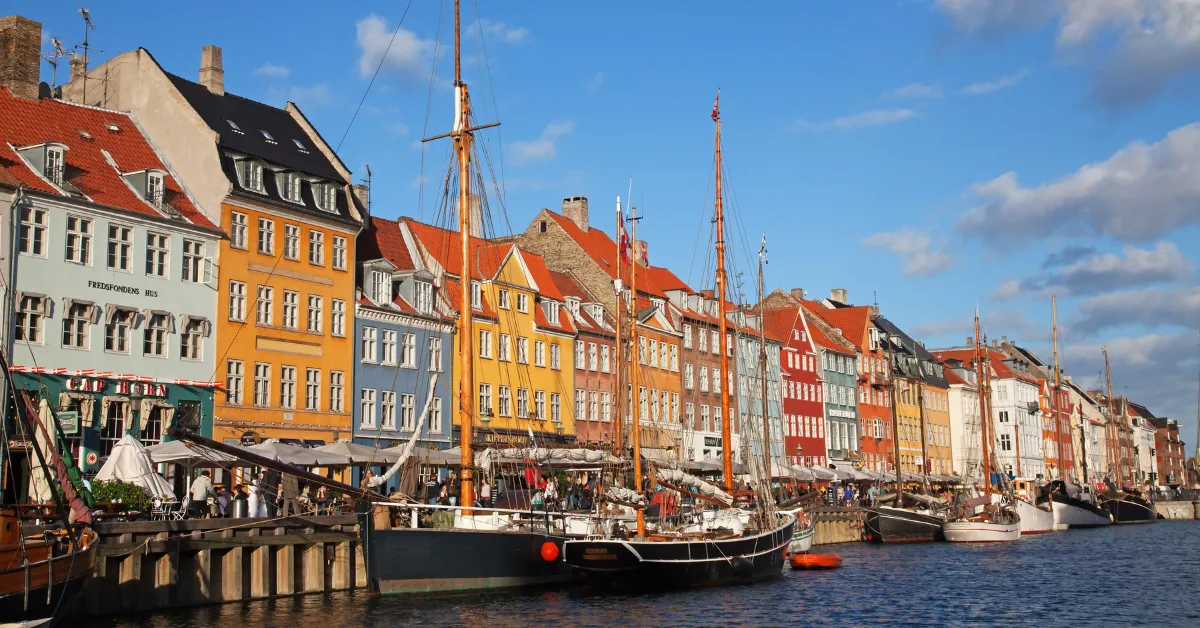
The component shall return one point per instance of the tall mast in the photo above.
(620, 347)
(636, 356)
(924, 439)
(723, 347)
(1114, 444)
(1062, 455)
(463, 138)
(895, 419)
(762, 364)
(984, 410)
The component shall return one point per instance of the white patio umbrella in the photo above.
(361, 454)
(180, 452)
(298, 456)
(129, 462)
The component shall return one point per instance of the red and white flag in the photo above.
(622, 235)
(716, 114)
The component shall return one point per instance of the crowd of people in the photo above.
(266, 494)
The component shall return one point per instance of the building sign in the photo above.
(87, 384)
(112, 287)
(712, 441)
(68, 420)
(82, 384)
(249, 439)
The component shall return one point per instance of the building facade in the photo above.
(1169, 453)
(803, 410)
(965, 427)
(756, 350)
(595, 355)
(110, 288)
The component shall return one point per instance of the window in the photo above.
(287, 387)
(291, 242)
(76, 326)
(367, 407)
(435, 415)
(237, 230)
(505, 401)
(476, 296)
(687, 336)
(653, 352)
(314, 313)
(264, 307)
(424, 292)
(687, 376)
(716, 412)
(389, 346)
(522, 350)
(704, 424)
(53, 168)
(539, 353)
(674, 417)
(539, 405)
(605, 407)
(120, 242)
(339, 253)
(689, 416)
(1005, 442)
(485, 344)
(704, 379)
(1004, 417)
(337, 318)
(703, 338)
(663, 356)
(716, 381)
(580, 402)
(316, 248)
(266, 236)
(593, 406)
(580, 355)
(252, 175)
(117, 331)
(555, 358)
(504, 352)
(33, 231)
(605, 365)
(642, 404)
(312, 389)
(192, 341)
(291, 309)
(233, 381)
(593, 357)
(154, 188)
(408, 351)
(154, 343)
(79, 239)
(289, 187)
(387, 409)
(522, 302)
(522, 402)
(337, 383)
(326, 194)
(237, 301)
(193, 261)
(262, 384)
(485, 400)
(30, 315)
(369, 337)
(408, 412)
(435, 354)
(716, 342)
(552, 312)
(556, 407)
(675, 358)
(502, 299)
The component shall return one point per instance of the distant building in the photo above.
(1169, 453)
(1055, 410)
(800, 363)
(966, 436)
(922, 410)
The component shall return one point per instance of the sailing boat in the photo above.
(997, 521)
(41, 572)
(1123, 505)
(704, 552)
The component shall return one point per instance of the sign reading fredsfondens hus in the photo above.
(112, 287)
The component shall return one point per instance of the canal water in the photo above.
(1122, 575)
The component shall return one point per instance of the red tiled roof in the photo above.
(541, 276)
(667, 280)
(383, 240)
(569, 287)
(852, 321)
(444, 247)
(31, 122)
(452, 293)
(820, 338)
(780, 322)
(995, 358)
(603, 250)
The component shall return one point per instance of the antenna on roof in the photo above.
(87, 26)
(367, 181)
(52, 58)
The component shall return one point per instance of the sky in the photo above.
(931, 155)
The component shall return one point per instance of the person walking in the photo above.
(200, 491)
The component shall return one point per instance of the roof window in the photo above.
(289, 186)
(84, 134)
(154, 188)
(267, 136)
(250, 173)
(299, 145)
(233, 125)
(326, 194)
(54, 165)
(112, 126)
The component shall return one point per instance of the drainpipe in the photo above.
(10, 287)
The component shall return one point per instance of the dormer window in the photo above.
(659, 304)
(326, 194)
(289, 186)
(55, 164)
(251, 173)
(573, 306)
(476, 296)
(154, 188)
(381, 287)
(597, 312)
(424, 291)
(552, 312)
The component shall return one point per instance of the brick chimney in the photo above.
(970, 341)
(797, 293)
(840, 295)
(212, 75)
(574, 208)
(363, 194)
(476, 209)
(20, 55)
(78, 67)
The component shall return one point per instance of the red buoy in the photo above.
(549, 551)
(815, 561)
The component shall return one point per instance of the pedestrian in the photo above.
(223, 498)
(200, 491)
(485, 492)
(873, 495)
(431, 490)
(454, 489)
(321, 499)
(848, 496)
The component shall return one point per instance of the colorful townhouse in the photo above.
(595, 356)
(524, 354)
(1088, 433)
(965, 426)
(1169, 453)
(1055, 411)
(285, 281)
(758, 367)
(655, 387)
(403, 357)
(922, 404)
(1143, 449)
(842, 445)
(109, 290)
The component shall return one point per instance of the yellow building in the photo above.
(524, 354)
(910, 395)
(658, 380)
(937, 428)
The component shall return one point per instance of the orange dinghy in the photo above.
(815, 561)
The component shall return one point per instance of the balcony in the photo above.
(880, 378)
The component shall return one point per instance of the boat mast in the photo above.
(983, 410)
(769, 498)
(723, 347)
(1114, 444)
(895, 420)
(1062, 469)
(620, 311)
(924, 439)
(463, 138)
(636, 351)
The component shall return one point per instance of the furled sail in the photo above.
(681, 479)
(412, 440)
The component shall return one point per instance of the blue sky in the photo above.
(937, 153)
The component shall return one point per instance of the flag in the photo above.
(623, 242)
(716, 114)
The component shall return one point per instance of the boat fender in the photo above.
(549, 551)
(742, 567)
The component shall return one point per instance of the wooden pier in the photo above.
(150, 565)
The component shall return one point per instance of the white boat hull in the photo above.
(802, 540)
(980, 532)
(1034, 520)
(1070, 516)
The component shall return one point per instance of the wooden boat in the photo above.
(802, 538)
(1034, 519)
(815, 561)
(981, 529)
(1074, 510)
(1127, 507)
(41, 573)
(887, 524)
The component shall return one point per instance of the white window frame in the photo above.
(291, 309)
(366, 410)
(234, 378)
(266, 236)
(337, 318)
(369, 340)
(237, 301)
(120, 247)
(262, 384)
(312, 389)
(291, 242)
(264, 307)
(193, 261)
(79, 240)
(287, 387)
(316, 307)
(339, 253)
(387, 410)
(237, 230)
(337, 391)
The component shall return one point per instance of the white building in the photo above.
(964, 419)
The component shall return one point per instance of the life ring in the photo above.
(91, 458)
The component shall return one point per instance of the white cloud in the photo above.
(988, 87)
(545, 146)
(311, 96)
(398, 128)
(1150, 307)
(1142, 45)
(499, 31)
(914, 91)
(1141, 192)
(273, 71)
(876, 117)
(915, 250)
(1012, 323)
(1103, 272)
(1008, 290)
(409, 54)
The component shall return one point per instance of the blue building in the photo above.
(404, 348)
(751, 381)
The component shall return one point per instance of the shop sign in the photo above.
(145, 390)
(712, 441)
(68, 420)
(249, 439)
(83, 384)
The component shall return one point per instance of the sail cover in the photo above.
(681, 479)
(544, 457)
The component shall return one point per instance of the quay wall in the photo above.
(837, 525)
(149, 565)
(1178, 510)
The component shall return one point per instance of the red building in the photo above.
(1169, 456)
(595, 374)
(803, 410)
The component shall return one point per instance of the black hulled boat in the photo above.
(886, 524)
(1128, 507)
(1073, 507)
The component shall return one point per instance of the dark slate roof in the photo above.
(270, 194)
(252, 118)
(908, 346)
(1142, 411)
